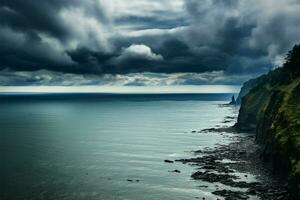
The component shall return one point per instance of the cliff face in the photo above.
(255, 96)
(247, 86)
(271, 108)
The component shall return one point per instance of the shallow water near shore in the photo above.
(107, 149)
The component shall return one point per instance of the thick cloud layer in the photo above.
(231, 37)
(50, 78)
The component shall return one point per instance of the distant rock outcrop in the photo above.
(233, 101)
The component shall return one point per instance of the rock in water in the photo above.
(233, 102)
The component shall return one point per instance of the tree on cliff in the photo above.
(293, 59)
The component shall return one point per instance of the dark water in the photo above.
(88, 97)
(87, 146)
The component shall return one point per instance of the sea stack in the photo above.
(233, 101)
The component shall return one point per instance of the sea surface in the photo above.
(110, 147)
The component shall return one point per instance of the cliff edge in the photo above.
(271, 108)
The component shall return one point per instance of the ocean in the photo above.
(106, 146)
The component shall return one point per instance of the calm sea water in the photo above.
(87, 146)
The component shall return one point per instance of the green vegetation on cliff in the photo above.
(272, 109)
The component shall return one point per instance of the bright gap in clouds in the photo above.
(123, 89)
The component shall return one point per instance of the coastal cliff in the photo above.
(271, 108)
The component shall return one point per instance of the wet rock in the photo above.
(217, 165)
(169, 161)
(219, 130)
(251, 192)
(231, 195)
(227, 121)
(209, 167)
(230, 117)
(212, 177)
(281, 198)
(175, 171)
(131, 180)
(198, 151)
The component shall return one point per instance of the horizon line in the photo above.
(178, 89)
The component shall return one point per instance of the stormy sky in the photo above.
(143, 42)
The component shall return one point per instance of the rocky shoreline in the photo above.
(228, 166)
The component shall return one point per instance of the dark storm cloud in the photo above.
(21, 24)
(89, 60)
(36, 35)
(137, 36)
(253, 34)
(31, 15)
(221, 30)
(28, 52)
(148, 22)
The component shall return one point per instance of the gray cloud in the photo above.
(51, 78)
(233, 37)
(254, 34)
